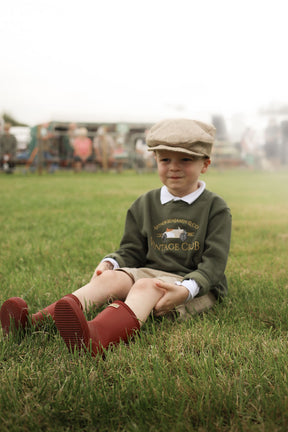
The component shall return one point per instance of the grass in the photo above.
(223, 371)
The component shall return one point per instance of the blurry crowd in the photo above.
(75, 148)
(80, 150)
(267, 150)
(102, 149)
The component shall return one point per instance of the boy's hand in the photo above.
(175, 295)
(103, 266)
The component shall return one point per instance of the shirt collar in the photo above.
(166, 196)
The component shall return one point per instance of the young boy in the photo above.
(172, 255)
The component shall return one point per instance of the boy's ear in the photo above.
(206, 164)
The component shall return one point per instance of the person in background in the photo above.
(8, 148)
(82, 149)
(42, 153)
(143, 157)
(104, 147)
(46, 152)
(67, 145)
(172, 256)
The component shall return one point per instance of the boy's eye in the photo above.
(187, 159)
(164, 160)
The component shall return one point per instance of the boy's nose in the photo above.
(174, 165)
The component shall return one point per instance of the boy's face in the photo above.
(180, 172)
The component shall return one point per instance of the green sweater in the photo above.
(190, 240)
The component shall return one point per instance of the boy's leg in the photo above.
(117, 322)
(109, 285)
(142, 298)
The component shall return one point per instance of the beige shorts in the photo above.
(194, 306)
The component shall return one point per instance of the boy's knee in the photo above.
(145, 284)
(115, 277)
(107, 274)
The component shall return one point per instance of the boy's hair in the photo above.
(183, 135)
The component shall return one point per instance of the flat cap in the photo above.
(183, 135)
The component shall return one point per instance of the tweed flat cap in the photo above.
(183, 135)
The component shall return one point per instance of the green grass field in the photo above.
(223, 371)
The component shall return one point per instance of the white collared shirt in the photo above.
(166, 196)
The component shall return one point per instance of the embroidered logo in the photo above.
(175, 235)
(178, 233)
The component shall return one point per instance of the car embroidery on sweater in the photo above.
(178, 233)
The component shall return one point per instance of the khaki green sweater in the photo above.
(191, 240)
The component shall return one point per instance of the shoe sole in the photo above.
(71, 324)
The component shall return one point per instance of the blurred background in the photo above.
(99, 73)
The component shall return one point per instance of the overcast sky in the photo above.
(140, 59)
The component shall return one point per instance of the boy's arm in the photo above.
(132, 251)
(133, 247)
(210, 270)
(103, 266)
